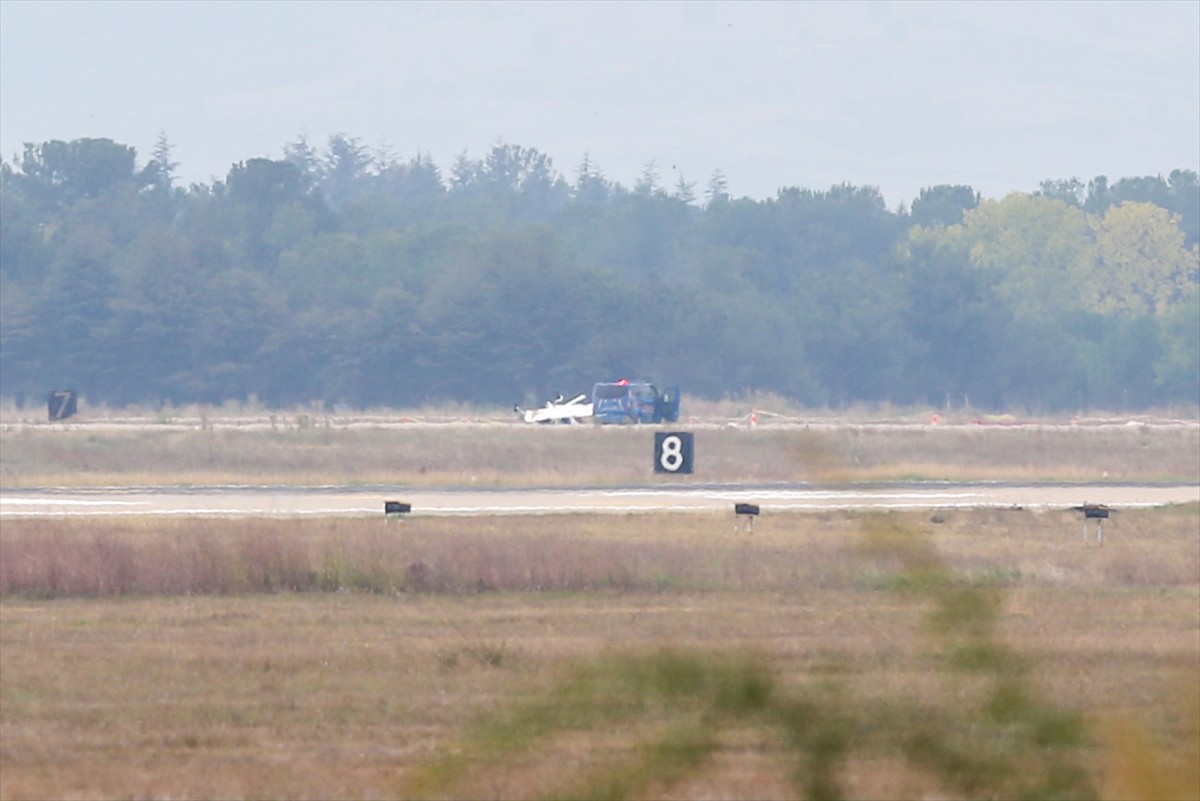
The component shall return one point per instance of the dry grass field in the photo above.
(982, 654)
(333, 451)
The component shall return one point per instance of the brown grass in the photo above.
(56, 558)
(508, 455)
(272, 659)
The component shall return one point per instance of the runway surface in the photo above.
(264, 501)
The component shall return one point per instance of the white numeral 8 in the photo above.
(672, 453)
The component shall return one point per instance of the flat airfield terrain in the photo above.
(481, 452)
(770, 498)
(962, 648)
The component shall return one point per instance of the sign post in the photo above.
(1094, 511)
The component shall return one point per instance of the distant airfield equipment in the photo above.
(61, 404)
(628, 401)
(1094, 511)
(622, 401)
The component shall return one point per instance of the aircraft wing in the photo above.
(570, 411)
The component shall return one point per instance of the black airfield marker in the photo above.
(748, 511)
(673, 451)
(1094, 511)
(61, 404)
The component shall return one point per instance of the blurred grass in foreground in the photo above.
(990, 733)
(986, 655)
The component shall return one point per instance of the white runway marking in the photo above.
(357, 502)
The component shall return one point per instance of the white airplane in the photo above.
(559, 410)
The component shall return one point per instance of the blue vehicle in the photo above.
(628, 401)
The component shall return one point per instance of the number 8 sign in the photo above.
(673, 452)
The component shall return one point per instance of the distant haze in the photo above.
(904, 95)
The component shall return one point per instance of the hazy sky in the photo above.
(899, 95)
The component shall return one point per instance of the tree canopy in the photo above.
(344, 275)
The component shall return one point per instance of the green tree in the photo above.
(20, 362)
(275, 208)
(1034, 254)
(718, 189)
(1071, 191)
(345, 170)
(160, 171)
(263, 185)
(156, 309)
(1179, 194)
(420, 176)
(957, 326)
(590, 188)
(305, 158)
(26, 246)
(854, 334)
(1177, 371)
(505, 322)
(1185, 201)
(685, 190)
(1033, 251)
(943, 205)
(236, 316)
(72, 314)
(649, 182)
(1142, 265)
(56, 174)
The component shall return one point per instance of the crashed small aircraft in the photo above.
(558, 411)
(621, 401)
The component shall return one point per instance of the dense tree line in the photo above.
(346, 275)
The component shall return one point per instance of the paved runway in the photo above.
(343, 501)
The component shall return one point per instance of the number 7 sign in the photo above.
(673, 452)
(61, 404)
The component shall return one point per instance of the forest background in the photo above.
(345, 275)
